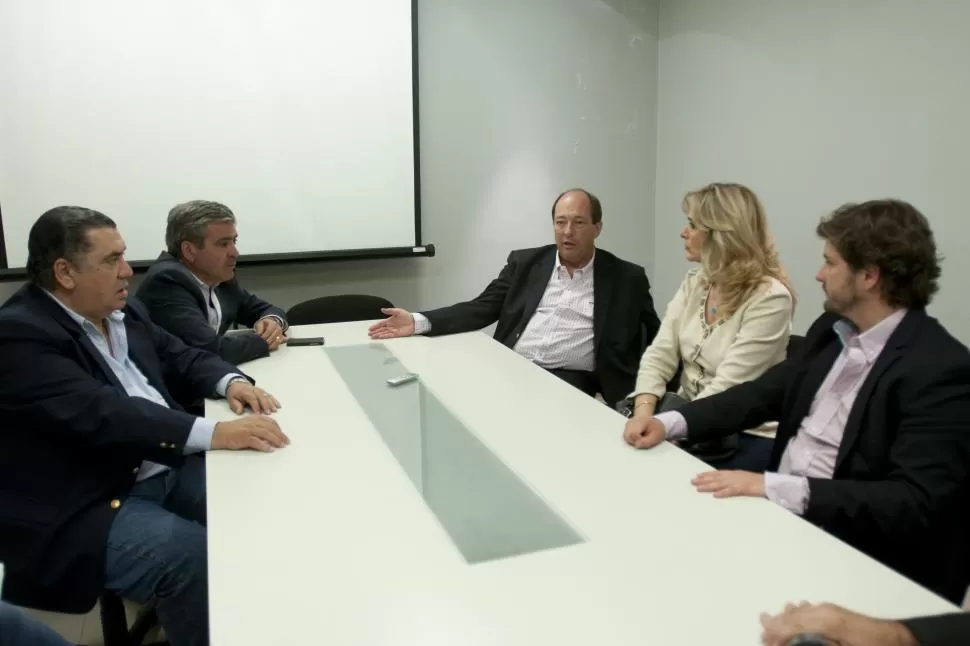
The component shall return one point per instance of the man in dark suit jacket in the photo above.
(580, 312)
(873, 441)
(101, 473)
(829, 623)
(191, 289)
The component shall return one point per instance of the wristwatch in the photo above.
(808, 640)
(625, 407)
(234, 380)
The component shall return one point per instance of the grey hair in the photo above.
(188, 221)
(61, 232)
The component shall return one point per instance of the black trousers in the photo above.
(581, 379)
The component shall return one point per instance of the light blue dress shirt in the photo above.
(114, 350)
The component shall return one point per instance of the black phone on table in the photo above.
(307, 340)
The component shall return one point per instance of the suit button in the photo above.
(163, 445)
(115, 504)
(135, 471)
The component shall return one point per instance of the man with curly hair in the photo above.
(873, 441)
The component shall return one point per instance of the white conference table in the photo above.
(406, 516)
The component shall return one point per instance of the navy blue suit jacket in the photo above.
(73, 440)
(941, 630)
(175, 301)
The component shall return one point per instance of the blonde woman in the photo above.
(728, 323)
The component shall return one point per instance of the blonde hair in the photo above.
(738, 253)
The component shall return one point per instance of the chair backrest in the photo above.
(337, 309)
(795, 343)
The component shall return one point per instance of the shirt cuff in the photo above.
(791, 492)
(675, 426)
(421, 323)
(200, 437)
(223, 384)
(283, 324)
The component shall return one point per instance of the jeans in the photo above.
(754, 453)
(17, 629)
(157, 551)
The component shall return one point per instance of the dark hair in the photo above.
(61, 232)
(893, 236)
(189, 220)
(595, 208)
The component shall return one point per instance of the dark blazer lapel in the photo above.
(140, 349)
(604, 280)
(815, 372)
(536, 283)
(889, 355)
(228, 309)
(143, 354)
(57, 313)
(188, 278)
(809, 377)
(231, 300)
(198, 292)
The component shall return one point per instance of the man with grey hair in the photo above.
(102, 477)
(191, 289)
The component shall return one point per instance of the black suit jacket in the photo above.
(624, 320)
(942, 630)
(900, 490)
(175, 301)
(73, 441)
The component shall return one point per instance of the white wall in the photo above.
(521, 100)
(518, 100)
(810, 103)
(813, 104)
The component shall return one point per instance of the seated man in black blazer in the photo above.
(580, 312)
(873, 441)
(837, 625)
(191, 289)
(102, 479)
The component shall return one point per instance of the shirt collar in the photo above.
(873, 340)
(205, 287)
(580, 270)
(117, 316)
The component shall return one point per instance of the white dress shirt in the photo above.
(560, 332)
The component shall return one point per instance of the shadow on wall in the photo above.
(642, 13)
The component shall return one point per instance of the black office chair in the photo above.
(114, 623)
(337, 309)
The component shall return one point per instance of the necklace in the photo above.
(710, 296)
